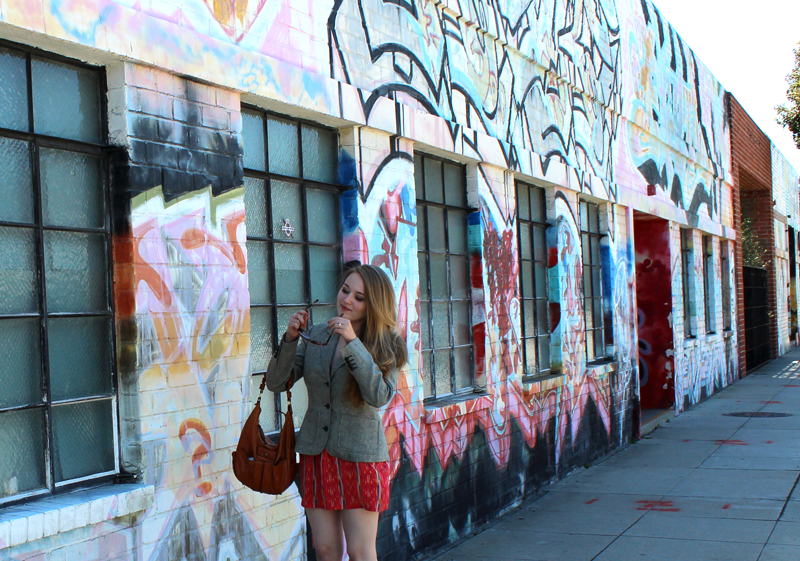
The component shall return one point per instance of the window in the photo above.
(446, 328)
(726, 286)
(293, 234)
(533, 279)
(687, 265)
(708, 284)
(58, 400)
(592, 281)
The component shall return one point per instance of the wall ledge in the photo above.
(63, 513)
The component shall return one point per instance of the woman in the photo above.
(350, 367)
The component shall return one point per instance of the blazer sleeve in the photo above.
(286, 362)
(376, 389)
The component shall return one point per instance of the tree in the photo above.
(789, 115)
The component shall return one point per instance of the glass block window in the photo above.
(58, 423)
(444, 281)
(293, 235)
(726, 285)
(534, 317)
(708, 284)
(592, 280)
(687, 266)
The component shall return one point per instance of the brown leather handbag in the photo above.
(258, 462)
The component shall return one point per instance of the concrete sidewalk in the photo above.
(703, 487)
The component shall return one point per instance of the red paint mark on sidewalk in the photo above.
(592, 501)
(661, 506)
(770, 402)
(769, 442)
(726, 507)
(792, 386)
(731, 442)
(688, 440)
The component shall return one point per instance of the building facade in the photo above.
(548, 186)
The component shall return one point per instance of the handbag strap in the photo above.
(264, 385)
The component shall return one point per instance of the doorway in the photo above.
(654, 303)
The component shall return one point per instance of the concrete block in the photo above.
(51, 522)
(18, 531)
(35, 527)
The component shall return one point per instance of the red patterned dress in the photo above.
(330, 483)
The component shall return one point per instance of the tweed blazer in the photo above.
(332, 422)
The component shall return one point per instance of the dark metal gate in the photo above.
(756, 317)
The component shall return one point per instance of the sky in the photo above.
(747, 46)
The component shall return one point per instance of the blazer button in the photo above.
(325, 428)
(327, 406)
(327, 384)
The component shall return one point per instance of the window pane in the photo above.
(526, 267)
(531, 367)
(599, 345)
(15, 186)
(258, 265)
(253, 140)
(323, 216)
(463, 368)
(540, 272)
(525, 241)
(587, 282)
(584, 217)
(441, 325)
(80, 361)
(586, 249)
(423, 275)
(284, 156)
(539, 244)
(17, 271)
(541, 317)
(72, 189)
(590, 354)
(422, 240)
(83, 439)
(283, 319)
(321, 314)
(436, 238)
(13, 91)
(418, 179)
(319, 154)
(427, 374)
(324, 264)
(439, 289)
(442, 364)
(455, 192)
(595, 242)
(286, 206)
(528, 318)
(20, 369)
(425, 325)
(267, 418)
(523, 202)
(457, 231)
(22, 436)
(75, 271)
(433, 181)
(255, 207)
(459, 276)
(544, 353)
(461, 325)
(537, 205)
(588, 310)
(596, 283)
(597, 305)
(260, 338)
(594, 225)
(290, 284)
(66, 101)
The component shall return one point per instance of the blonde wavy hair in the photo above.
(379, 336)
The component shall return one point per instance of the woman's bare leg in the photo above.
(361, 534)
(326, 527)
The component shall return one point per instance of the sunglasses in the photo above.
(306, 337)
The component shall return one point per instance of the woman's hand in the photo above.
(297, 322)
(343, 327)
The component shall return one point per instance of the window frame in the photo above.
(727, 319)
(586, 233)
(303, 184)
(100, 150)
(708, 285)
(526, 220)
(426, 297)
(687, 268)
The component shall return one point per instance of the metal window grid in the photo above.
(708, 284)
(592, 282)
(37, 142)
(687, 263)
